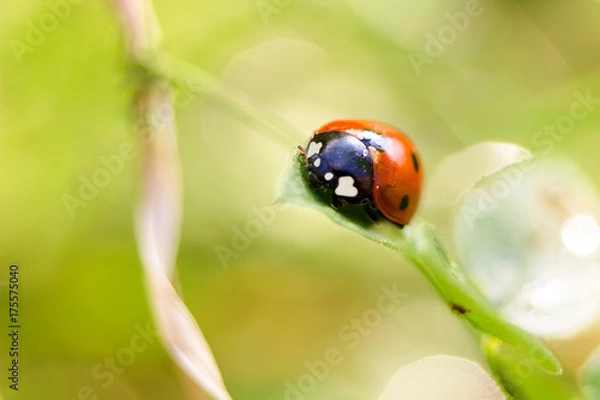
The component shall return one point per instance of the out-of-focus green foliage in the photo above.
(290, 295)
(591, 376)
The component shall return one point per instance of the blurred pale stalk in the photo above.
(158, 217)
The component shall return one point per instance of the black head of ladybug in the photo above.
(340, 164)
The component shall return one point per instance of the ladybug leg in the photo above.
(314, 181)
(336, 202)
(373, 212)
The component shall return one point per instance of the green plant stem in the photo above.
(238, 104)
(426, 250)
(521, 361)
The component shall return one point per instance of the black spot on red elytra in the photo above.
(404, 203)
(415, 162)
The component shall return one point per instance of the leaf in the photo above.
(442, 377)
(296, 190)
(521, 377)
(422, 244)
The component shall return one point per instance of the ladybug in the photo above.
(366, 163)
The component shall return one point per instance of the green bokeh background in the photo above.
(283, 301)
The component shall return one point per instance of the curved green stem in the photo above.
(237, 103)
(427, 251)
(526, 367)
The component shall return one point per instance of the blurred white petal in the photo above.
(581, 235)
(528, 237)
(442, 377)
(158, 225)
(458, 173)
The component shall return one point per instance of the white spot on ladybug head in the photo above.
(345, 187)
(328, 176)
(317, 162)
(313, 148)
